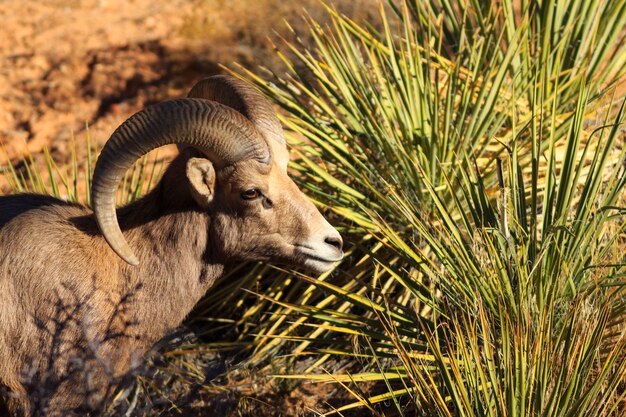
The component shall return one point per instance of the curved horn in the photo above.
(248, 101)
(224, 135)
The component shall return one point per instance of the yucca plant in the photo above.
(521, 326)
(461, 148)
(364, 106)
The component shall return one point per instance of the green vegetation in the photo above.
(477, 167)
(473, 155)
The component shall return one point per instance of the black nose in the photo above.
(335, 242)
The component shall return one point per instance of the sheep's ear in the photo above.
(202, 180)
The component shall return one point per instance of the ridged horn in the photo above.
(224, 135)
(248, 101)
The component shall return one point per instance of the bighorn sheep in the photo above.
(226, 198)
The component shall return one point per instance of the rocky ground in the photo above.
(69, 68)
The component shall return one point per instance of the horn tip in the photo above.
(131, 259)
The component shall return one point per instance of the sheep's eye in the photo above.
(251, 194)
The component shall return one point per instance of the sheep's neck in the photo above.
(170, 237)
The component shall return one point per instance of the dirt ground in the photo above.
(71, 65)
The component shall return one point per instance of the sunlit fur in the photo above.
(53, 255)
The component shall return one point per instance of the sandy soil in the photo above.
(69, 64)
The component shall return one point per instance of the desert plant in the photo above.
(480, 173)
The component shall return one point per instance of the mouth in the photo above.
(313, 255)
(316, 262)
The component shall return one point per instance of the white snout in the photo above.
(322, 250)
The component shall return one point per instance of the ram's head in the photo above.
(238, 176)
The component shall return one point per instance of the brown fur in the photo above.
(64, 292)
